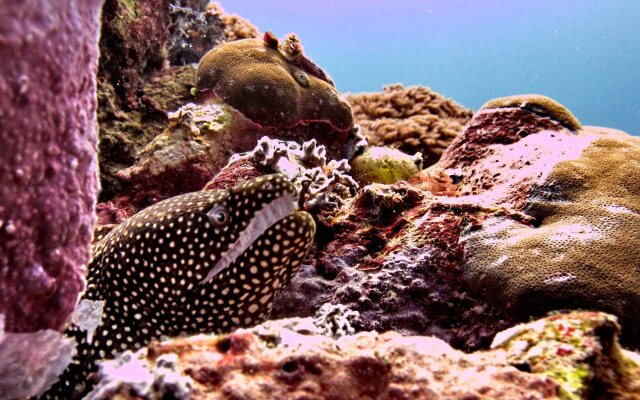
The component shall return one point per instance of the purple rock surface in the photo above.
(48, 169)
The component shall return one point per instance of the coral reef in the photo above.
(147, 156)
(142, 38)
(123, 134)
(392, 255)
(260, 79)
(579, 350)
(290, 359)
(181, 159)
(385, 165)
(235, 27)
(142, 75)
(452, 244)
(537, 104)
(412, 119)
(197, 144)
(48, 181)
(522, 213)
(132, 45)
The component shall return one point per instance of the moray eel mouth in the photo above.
(269, 212)
(202, 262)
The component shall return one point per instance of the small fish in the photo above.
(208, 261)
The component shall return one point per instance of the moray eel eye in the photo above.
(218, 215)
(301, 77)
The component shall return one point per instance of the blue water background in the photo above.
(583, 53)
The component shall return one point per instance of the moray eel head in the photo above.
(208, 261)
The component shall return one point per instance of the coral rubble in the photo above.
(521, 213)
(290, 359)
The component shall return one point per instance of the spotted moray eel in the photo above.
(208, 261)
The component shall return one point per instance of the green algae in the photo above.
(384, 165)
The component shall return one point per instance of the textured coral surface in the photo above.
(524, 212)
(48, 182)
(290, 359)
(584, 251)
(48, 171)
(413, 119)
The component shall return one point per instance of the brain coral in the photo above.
(585, 252)
(411, 119)
(272, 84)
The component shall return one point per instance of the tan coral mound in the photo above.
(566, 356)
(585, 253)
(411, 119)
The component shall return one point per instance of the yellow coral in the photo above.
(384, 165)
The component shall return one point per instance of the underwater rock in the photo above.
(504, 151)
(413, 119)
(385, 165)
(292, 359)
(579, 350)
(132, 141)
(275, 86)
(124, 133)
(183, 158)
(48, 181)
(141, 38)
(235, 27)
(142, 77)
(48, 173)
(392, 255)
(133, 44)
